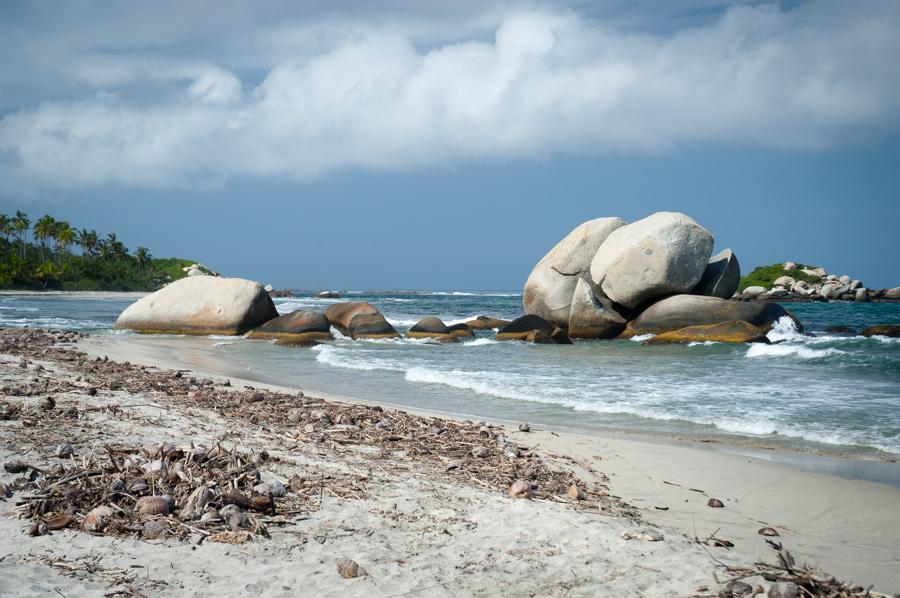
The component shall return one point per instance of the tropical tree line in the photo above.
(51, 254)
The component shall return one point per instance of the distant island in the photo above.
(52, 255)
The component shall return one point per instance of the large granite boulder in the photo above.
(681, 311)
(721, 277)
(533, 329)
(359, 319)
(891, 330)
(662, 254)
(592, 316)
(548, 290)
(296, 328)
(200, 305)
(486, 323)
(892, 293)
(724, 332)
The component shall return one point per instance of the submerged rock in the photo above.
(548, 290)
(296, 328)
(486, 323)
(533, 329)
(721, 277)
(201, 305)
(682, 311)
(432, 327)
(890, 330)
(359, 319)
(724, 332)
(665, 253)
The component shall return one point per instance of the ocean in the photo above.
(828, 393)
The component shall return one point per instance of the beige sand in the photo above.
(420, 536)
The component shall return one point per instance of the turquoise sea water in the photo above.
(836, 393)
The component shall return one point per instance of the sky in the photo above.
(435, 145)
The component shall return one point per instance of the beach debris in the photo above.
(5, 491)
(715, 503)
(576, 493)
(153, 529)
(714, 540)
(16, 466)
(524, 427)
(736, 589)
(519, 489)
(48, 403)
(480, 452)
(58, 522)
(155, 505)
(64, 450)
(784, 589)
(97, 519)
(38, 528)
(230, 537)
(768, 531)
(348, 568)
(647, 535)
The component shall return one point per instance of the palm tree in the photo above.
(65, 237)
(20, 226)
(87, 240)
(43, 232)
(5, 228)
(116, 247)
(45, 272)
(143, 257)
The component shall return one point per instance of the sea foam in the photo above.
(760, 350)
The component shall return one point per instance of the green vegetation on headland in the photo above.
(59, 257)
(764, 276)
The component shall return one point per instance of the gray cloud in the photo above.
(151, 103)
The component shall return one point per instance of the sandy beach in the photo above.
(418, 513)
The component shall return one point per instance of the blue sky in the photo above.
(419, 146)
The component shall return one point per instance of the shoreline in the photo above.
(846, 525)
(867, 464)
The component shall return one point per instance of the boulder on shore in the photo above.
(664, 253)
(890, 330)
(753, 292)
(681, 311)
(200, 305)
(359, 319)
(892, 293)
(533, 329)
(724, 332)
(721, 277)
(328, 295)
(432, 327)
(486, 323)
(592, 316)
(548, 290)
(296, 328)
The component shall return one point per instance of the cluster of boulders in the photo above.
(816, 284)
(609, 279)
(605, 279)
(205, 305)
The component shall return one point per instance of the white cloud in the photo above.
(818, 77)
